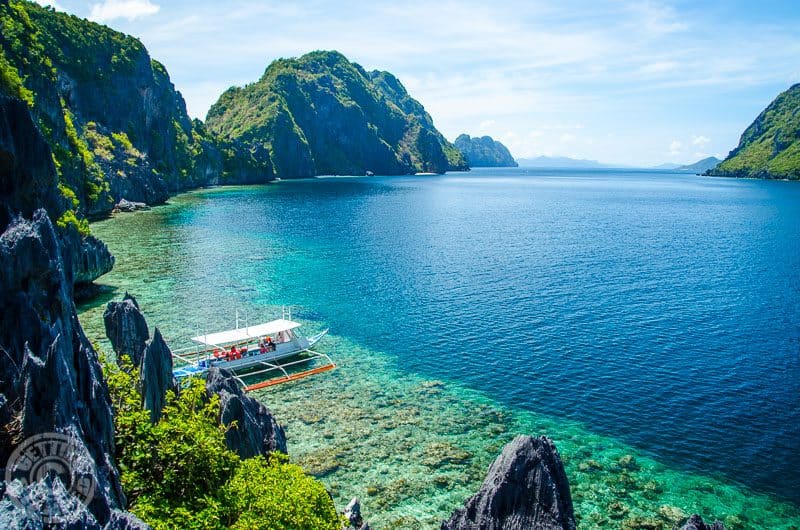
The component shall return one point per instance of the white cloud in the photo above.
(656, 19)
(128, 9)
(701, 141)
(659, 67)
(675, 147)
(486, 124)
(566, 138)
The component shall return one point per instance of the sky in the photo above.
(624, 82)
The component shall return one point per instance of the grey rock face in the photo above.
(124, 521)
(44, 504)
(50, 377)
(124, 205)
(28, 181)
(27, 175)
(526, 488)
(353, 515)
(48, 504)
(256, 431)
(90, 257)
(695, 522)
(126, 328)
(156, 375)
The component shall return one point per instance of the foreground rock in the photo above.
(255, 431)
(50, 377)
(695, 522)
(126, 328)
(526, 488)
(155, 375)
(352, 513)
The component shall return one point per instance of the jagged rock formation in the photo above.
(126, 328)
(770, 147)
(24, 188)
(352, 513)
(256, 432)
(48, 504)
(484, 151)
(116, 125)
(321, 114)
(695, 522)
(50, 377)
(526, 488)
(155, 375)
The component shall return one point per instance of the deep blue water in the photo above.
(660, 309)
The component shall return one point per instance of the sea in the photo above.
(647, 321)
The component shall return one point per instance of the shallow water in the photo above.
(625, 314)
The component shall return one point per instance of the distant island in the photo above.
(561, 162)
(701, 166)
(770, 147)
(321, 114)
(484, 151)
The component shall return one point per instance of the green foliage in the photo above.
(11, 83)
(321, 114)
(102, 146)
(178, 473)
(272, 493)
(69, 218)
(770, 146)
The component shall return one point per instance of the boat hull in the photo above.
(253, 361)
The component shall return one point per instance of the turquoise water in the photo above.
(648, 322)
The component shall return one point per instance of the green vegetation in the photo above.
(178, 473)
(770, 146)
(322, 114)
(69, 218)
(83, 82)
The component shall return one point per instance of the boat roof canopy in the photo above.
(243, 334)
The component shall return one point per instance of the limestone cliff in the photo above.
(112, 117)
(50, 378)
(322, 114)
(484, 151)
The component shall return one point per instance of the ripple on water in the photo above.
(588, 332)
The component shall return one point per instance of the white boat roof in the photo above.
(243, 334)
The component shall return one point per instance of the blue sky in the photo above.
(635, 83)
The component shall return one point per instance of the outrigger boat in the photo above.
(255, 350)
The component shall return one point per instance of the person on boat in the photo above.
(269, 344)
(217, 353)
(242, 352)
(262, 345)
(233, 353)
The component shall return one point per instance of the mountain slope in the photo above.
(701, 165)
(770, 146)
(114, 121)
(321, 114)
(484, 152)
